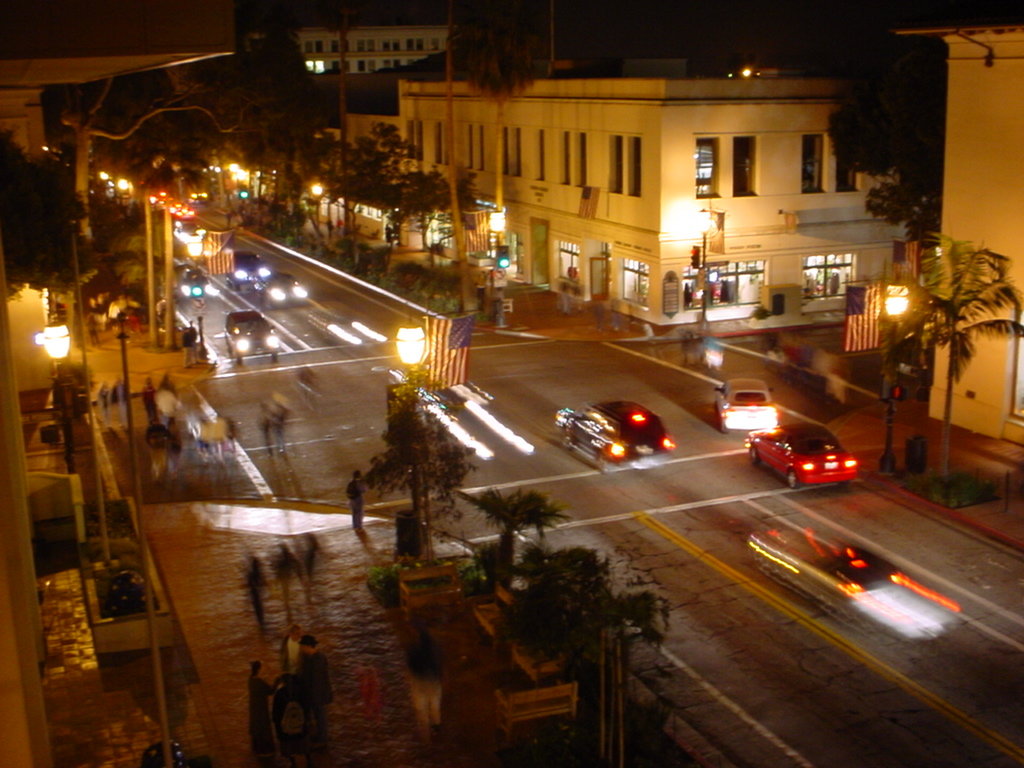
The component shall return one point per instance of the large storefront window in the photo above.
(827, 275)
(729, 283)
(569, 260)
(636, 281)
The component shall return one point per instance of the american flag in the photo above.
(588, 202)
(863, 305)
(478, 235)
(218, 248)
(906, 258)
(448, 349)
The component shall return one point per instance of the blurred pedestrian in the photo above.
(157, 438)
(316, 688)
(149, 400)
(174, 448)
(261, 734)
(291, 653)
(255, 582)
(599, 307)
(310, 548)
(306, 383)
(290, 721)
(189, 340)
(714, 355)
(166, 383)
(166, 405)
(286, 567)
(92, 324)
(103, 396)
(423, 659)
(277, 415)
(120, 395)
(355, 490)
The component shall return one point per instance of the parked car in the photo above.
(249, 332)
(616, 432)
(745, 404)
(848, 579)
(281, 288)
(803, 454)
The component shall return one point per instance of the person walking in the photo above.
(290, 720)
(261, 733)
(166, 405)
(423, 659)
(355, 490)
(291, 653)
(149, 400)
(315, 681)
(189, 340)
(254, 582)
(157, 438)
(103, 396)
(277, 414)
(120, 395)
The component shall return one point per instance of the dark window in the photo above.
(742, 166)
(705, 159)
(635, 175)
(566, 157)
(582, 170)
(615, 162)
(810, 162)
(540, 155)
(846, 177)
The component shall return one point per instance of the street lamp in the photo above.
(56, 340)
(897, 300)
(412, 345)
(710, 228)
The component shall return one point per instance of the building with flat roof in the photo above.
(370, 49)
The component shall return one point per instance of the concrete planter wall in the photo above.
(124, 633)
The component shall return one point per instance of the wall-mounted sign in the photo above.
(670, 294)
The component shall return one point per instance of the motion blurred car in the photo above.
(803, 454)
(248, 272)
(745, 404)
(843, 576)
(195, 284)
(616, 432)
(281, 288)
(249, 333)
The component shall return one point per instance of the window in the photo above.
(540, 155)
(810, 162)
(334, 46)
(742, 166)
(470, 145)
(635, 176)
(360, 45)
(568, 260)
(581, 170)
(439, 156)
(734, 282)
(615, 165)
(318, 66)
(511, 151)
(360, 66)
(636, 281)
(385, 45)
(419, 44)
(318, 46)
(414, 135)
(705, 157)
(310, 66)
(308, 46)
(846, 177)
(481, 154)
(566, 157)
(409, 44)
(435, 44)
(827, 275)
(372, 65)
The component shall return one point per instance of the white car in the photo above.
(745, 404)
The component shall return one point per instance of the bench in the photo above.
(490, 611)
(429, 586)
(518, 706)
(536, 667)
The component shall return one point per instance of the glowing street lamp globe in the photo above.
(412, 344)
(56, 340)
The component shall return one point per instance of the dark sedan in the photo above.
(616, 432)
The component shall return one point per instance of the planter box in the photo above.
(125, 633)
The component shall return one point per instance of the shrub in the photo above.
(959, 489)
(382, 582)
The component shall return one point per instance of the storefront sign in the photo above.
(670, 294)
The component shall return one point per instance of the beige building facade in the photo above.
(615, 187)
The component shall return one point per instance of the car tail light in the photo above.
(637, 418)
(618, 450)
(667, 444)
(850, 463)
(807, 466)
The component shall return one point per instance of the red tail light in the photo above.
(637, 418)
(667, 444)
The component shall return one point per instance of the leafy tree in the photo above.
(513, 514)
(420, 457)
(961, 295)
(38, 213)
(894, 130)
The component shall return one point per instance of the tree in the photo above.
(420, 457)
(960, 297)
(38, 215)
(894, 130)
(512, 515)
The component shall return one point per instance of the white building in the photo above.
(370, 48)
(982, 198)
(610, 185)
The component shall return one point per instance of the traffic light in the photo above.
(503, 260)
(893, 391)
(695, 259)
(243, 193)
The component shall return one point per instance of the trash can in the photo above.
(407, 534)
(917, 454)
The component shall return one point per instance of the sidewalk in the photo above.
(201, 549)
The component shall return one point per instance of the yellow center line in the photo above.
(926, 696)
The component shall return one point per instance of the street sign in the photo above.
(507, 306)
(498, 278)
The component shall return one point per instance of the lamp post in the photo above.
(710, 227)
(897, 299)
(411, 343)
(56, 340)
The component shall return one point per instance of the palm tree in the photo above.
(497, 46)
(513, 514)
(959, 299)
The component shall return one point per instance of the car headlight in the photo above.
(263, 272)
(244, 345)
(273, 342)
(212, 290)
(277, 294)
(241, 274)
(300, 292)
(186, 290)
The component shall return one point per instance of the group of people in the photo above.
(290, 715)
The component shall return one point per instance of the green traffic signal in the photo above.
(504, 260)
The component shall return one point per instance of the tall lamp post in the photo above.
(897, 299)
(56, 340)
(412, 346)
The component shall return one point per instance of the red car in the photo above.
(802, 453)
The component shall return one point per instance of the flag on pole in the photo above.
(448, 349)
(588, 202)
(863, 305)
(478, 235)
(218, 248)
(906, 258)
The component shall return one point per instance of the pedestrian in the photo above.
(92, 323)
(261, 734)
(316, 689)
(277, 415)
(291, 654)
(120, 396)
(166, 405)
(174, 448)
(290, 721)
(286, 567)
(255, 582)
(265, 425)
(149, 400)
(563, 297)
(713, 353)
(306, 382)
(157, 438)
(600, 309)
(103, 395)
(355, 490)
(134, 321)
(310, 548)
(423, 659)
(189, 340)
(166, 383)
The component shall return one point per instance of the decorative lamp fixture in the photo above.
(56, 340)
(412, 345)
(496, 221)
(317, 190)
(194, 248)
(897, 299)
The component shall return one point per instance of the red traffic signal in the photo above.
(695, 257)
(892, 391)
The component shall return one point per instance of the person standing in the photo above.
(355, 490)
(315, 681)
(290, 720)
(261, 734)
(424, 662)
(291, 653)
(189, 339)
(149, 400)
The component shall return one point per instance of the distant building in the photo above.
(370, 49)
(614, 188)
